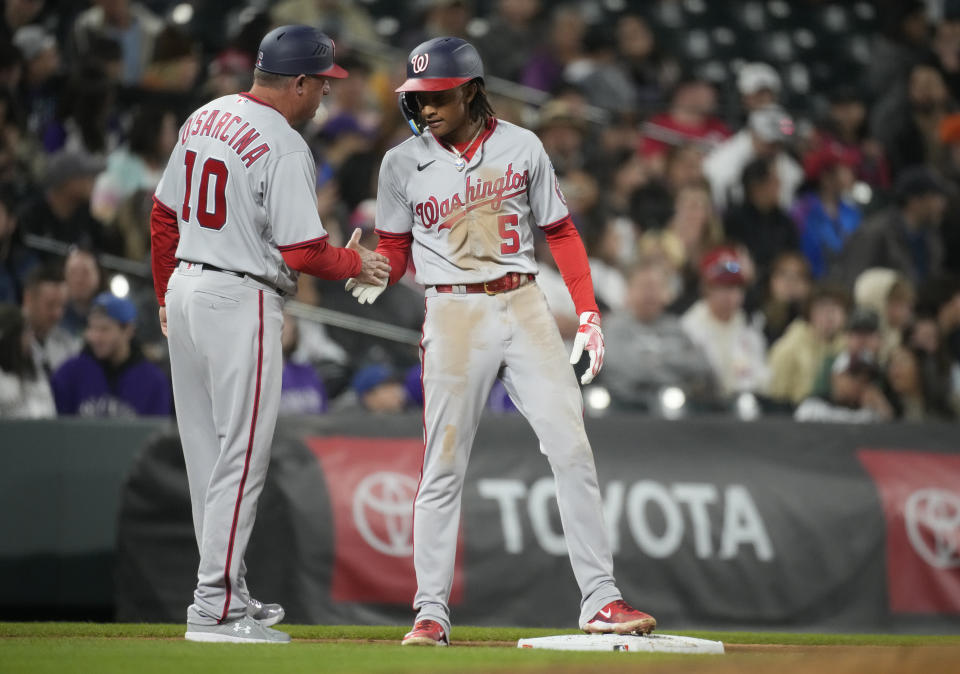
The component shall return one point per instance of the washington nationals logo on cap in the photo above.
(420, 62)
(259, 58)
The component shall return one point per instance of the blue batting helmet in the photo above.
(441, 63)
(298, 50)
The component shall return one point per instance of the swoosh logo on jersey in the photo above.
(420, 167)
(606, 613)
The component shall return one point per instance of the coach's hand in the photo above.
(365, 293)
(589, 337)
(163, 321)
(376, 267)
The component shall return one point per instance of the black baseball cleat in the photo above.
(266, 614)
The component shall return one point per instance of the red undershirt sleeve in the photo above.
(320, 259)
(571, 258)
(396, 248)
(164, 238)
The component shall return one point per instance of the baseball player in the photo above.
(462, 195)
(234, 221)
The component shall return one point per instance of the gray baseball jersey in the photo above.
(471, 222)
(243, 185)
(470, 225)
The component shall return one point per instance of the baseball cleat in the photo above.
(618, 617)
(267, 615)
(243, 631)
(426, 633)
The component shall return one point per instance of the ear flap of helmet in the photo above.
(411, 111)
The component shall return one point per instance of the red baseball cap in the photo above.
(722, 266)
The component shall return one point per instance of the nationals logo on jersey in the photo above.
(478, 193)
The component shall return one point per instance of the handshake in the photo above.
(374, 274)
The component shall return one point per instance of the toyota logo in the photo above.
(383, 512)
(420, 62)
(932, 518)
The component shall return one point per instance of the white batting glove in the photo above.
(589, 337)
(366, 293)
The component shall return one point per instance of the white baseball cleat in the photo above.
(243, 631)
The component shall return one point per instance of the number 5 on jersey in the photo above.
(217, 171)
(509, 234)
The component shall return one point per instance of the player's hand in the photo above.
(589, 337)
(376, 267)
(364, 292)
(163, 321)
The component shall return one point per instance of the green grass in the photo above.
(65, 648)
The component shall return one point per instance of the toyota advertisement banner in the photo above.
(712, 524)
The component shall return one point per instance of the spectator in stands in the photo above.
(16, 260)
(111, 377)
(603, 79)
(759, 223)
(795, 358)
(24, 390)
(718, 324)
(854, 395)
(911, 131)
(610, 249)
(84, 280)
(788, 287)
(131, 24)
(946, 48)
(691, 118)
(562, 131)
(174, 64)
(652, 69)
(695, 225)
(564, 45)
(41, 82)
(302, 390)
(134, 170)
(891, 295)
(903, 42)
(62, 211)
(915, 393)
(650, 347)
(759, 86)
(439, 17)
(652, 204)
(861, 340)
(44, 299)
(513, 35)
(380, 390)
(765, 135)
(825, 217)
(905, 236)
(846, 125)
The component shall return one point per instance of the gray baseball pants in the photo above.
(467, 338)
(226, 365)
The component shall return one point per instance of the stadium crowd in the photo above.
(769, 193)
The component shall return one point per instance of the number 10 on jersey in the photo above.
(213, 169)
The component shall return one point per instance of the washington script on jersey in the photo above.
(479, 192)
(206, 123)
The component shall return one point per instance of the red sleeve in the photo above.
(396, 248)
(164, 237)
(318, 258)
(571, 258)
